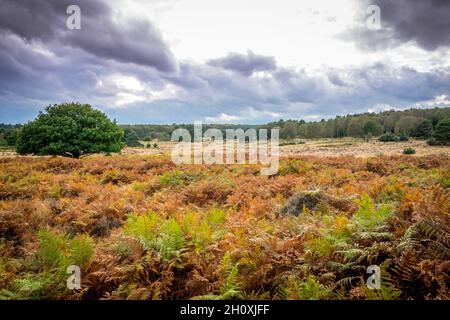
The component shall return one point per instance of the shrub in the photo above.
(403, 137)
(409, 151)
(368, 216)
(70, 130)
(388, 137)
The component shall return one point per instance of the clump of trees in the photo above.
(417, 123)
(8, 134)
(441, 134)
(389, 137)
(423, 130)
(131, 139)
(71, 130)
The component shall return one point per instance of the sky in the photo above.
(246, 61)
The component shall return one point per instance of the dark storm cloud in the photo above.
(42, 62)
(136, 41)
(245, 64)
(424, 22)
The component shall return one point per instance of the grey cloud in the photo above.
(424, 22)
(136, 42)
(43, 19)
(35, 80)
(245, 64)
(40, 65)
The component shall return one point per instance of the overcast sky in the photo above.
(246, 61)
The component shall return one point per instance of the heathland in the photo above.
(141, 227)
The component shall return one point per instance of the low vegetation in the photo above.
(140, 227)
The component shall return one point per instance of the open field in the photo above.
(360, 148)
(315, 147)
(140, 227)
(329, 148)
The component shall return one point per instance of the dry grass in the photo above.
(360, 148)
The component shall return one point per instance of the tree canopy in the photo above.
(71, 130)
(442, 132)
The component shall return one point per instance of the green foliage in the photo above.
(215, 217)
(403, 137)
(289, 130)
(406, 124)
(333, 235)
(170, 237)
(11, 137)
(409, 151)
(170, 240)
(71, 130)
(368, 217)
(230, 288)
(371, 128)
(441, 134)
(53, 248)
(445, 181)
(311, 289)
(142, 227)
(131, 139)
(81, 250)
(320, 246)
(175, 178)
(387, 291)
(389, 137)
(56, 251)
(33, 287)
(289, 167)
(166, 237)
(423, 130)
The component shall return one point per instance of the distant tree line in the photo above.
(394, 125)
(418, 123)
(431, 124)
